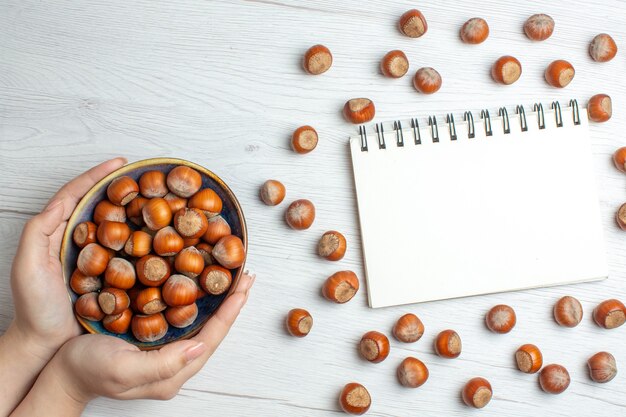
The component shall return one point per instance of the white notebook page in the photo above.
(482, 215)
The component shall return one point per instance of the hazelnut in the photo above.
(394, 64)
(610, 314)
(300, 214)
(179, 290)
(134, 210)
(554, 379)
(205, 250)
(599, 108)
(477, 392)
(559, 73)
(88, 308)
(229, 252)
(113, 235)
(184, 181)
(602, 367)
(138, 244)
(341, 286)
(175, 202)
(272, 192)
(355, 399)
(84, 234)
(167, 242)
(317, 60)
(120, 274)
(408, 329)
(568, 311)
(374, 346)
(113, 300)
(332, 246)
(118, 323)
(427, 80)
(529, 358)
(299, 322)
(506, 70)
(620, 216)
(602, 48)
(83, 284)
(153, 184)
(189, 262)
(539, 27)
(92, 260)
(215, 279)
(152, 270)
(412, 373)
(122, 190)
(304, 139)
(359, 110)
(619, 159)
(207, 201)
(500, 319)
(149, 301)
(448, 344)
(182, 316)
(190, 223)
(413, 24)
(475, 31)
(157, 214)
(105, 210)
(149, 328)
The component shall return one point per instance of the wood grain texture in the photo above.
(220, 83)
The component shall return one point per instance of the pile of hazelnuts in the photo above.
(506, 70)
(153, 249)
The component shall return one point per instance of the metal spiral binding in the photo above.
(363, 134)
(469, 118)
(380, 132)
(557, 113)
(575, 111)
(415, 125)
(505, 119)
(434, 129)
(484, 114)
(397, 126)
(541, 119)
(522, 117)
(451, 126)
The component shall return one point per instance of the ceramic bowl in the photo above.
(231, 212)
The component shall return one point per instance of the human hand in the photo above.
(97, 365)
(43, 312)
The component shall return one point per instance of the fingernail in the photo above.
(248, 284)
(195, 352)
(53, 204)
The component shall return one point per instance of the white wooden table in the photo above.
(220, 83)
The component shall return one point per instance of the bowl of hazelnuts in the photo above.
(152, 250)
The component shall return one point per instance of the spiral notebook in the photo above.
(477, 206)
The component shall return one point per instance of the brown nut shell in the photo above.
(413, 24)
(299, 322)
(408, 329)
(317, 60)
(341, 286)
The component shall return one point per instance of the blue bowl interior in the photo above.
(206, 305)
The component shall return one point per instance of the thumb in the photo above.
(144, 367)
(35, 240)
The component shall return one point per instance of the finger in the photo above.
(220, 323)
(144, 367)
(73, 191)
(55, 240)
(35, 240)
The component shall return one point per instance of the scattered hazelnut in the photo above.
(539, 27)
(475, 31)
(374, 346)
(299, 322)
(332, 246)
(448, 344)
(506, 70)
(602, 48)
(500, 319)
(341, 286)
(610, 314)
(412, 372)
(408, 329)
(359, 110)
(394, 64)
(355, 399)
(477, 392)
(300, 214)
(599, 108)
(620, 216)
(554, 379)
(427, 80)
(619, 159)
(529, 358)
(413, 24)
(272, 192)
(602, 367)
(304, 139)
(559, 73)
(568, 311)
(317, 60)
